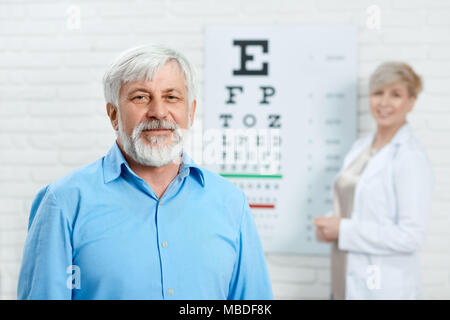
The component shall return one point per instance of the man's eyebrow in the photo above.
(171, 90)
(139, 89)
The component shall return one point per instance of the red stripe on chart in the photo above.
(262, 206)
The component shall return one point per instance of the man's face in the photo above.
(152, 116)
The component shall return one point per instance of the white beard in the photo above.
(157, 153)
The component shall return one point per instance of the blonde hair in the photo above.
(392, 72)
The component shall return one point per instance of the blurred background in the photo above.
(52, 112)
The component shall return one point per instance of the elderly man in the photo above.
(144, 221)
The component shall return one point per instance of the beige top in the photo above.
(344, 190)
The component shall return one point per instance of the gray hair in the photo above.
(142, 63)
(392, 72)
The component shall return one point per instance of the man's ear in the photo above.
(113, 114)
(192, 112)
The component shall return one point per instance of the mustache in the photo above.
(156, 124)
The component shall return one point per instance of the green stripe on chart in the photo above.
(270, 176)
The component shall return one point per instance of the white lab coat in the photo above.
(387, 227)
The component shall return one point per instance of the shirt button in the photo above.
(160, 203)
(164, 244)
(170, 291)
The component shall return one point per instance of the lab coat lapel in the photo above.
(378, 162)
(382, 158)
(356, 151)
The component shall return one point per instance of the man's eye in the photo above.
(140, 99)
(173, 98)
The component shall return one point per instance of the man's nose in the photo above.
(157, 109)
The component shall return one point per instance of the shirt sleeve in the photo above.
(413, 186)
(250, 279)
(46, 271)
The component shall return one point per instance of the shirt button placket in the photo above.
(170, 290)
(164, 245)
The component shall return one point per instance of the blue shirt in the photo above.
(102, 233)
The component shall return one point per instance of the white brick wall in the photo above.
(52, 113)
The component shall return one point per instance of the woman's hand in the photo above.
(327, 228)
(320, 235)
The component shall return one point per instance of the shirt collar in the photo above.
(114, 159)
(188, 166)
(402, 135)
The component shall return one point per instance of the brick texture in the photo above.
(53, 119)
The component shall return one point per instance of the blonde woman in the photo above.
(382, 199)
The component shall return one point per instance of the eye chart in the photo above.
(279, 116)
